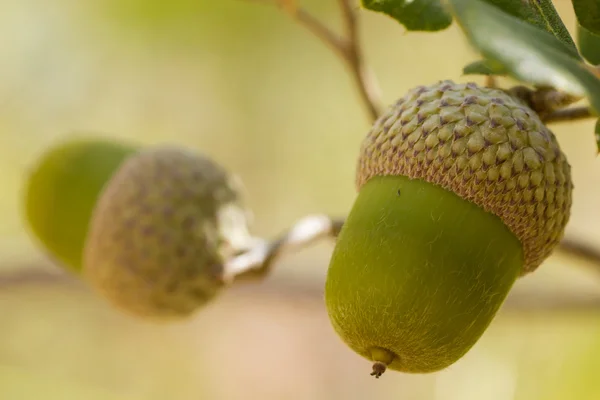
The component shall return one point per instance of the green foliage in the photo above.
(552, 21)
(528, 54)
(540, 14)
(589, 45)
(483, 67)
(480, 20)
(588, 29)
(417, 15)
(588, 14)
(525, 40)
(433, 15)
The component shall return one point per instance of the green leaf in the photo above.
(554, 23)
(589, 45)
(524, 11)
(527, 53)
(539, 13)
(484, 67)
(588, 14)
(415, 15)
(519, 9)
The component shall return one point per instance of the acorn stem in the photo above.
(569, 114)
(378, 369)
(258, 261)
(382, 358)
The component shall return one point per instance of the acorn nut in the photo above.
(161, 231)
(61, 190)
(461, 190)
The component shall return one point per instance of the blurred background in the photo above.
(242, 82)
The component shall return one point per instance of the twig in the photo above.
(26, 276)
(312, 24)
(568, 115)
(544, 101)
(580, 250)
(491, 81)
(259, 261)
(520, 302)
(347, 48)
(525, 302)
(363, 76)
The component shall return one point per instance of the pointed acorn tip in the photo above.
(378, 369)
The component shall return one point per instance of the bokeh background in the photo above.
(245, 84)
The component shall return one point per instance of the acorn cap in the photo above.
(484, 145)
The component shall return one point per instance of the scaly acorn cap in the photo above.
(484, 145)
(161, 231)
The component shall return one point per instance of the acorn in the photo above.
(461, 190)
(162, 229)
(61, 189)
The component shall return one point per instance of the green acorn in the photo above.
(462, 189)
(161, 231)
(61, 190)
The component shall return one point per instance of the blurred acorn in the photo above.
(161, 231)
(61, 190)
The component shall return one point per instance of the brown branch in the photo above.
(580, 250)
(534, 302)
(491, 81)
(520, 301)
(287, 290)
(348, 48)
(568, 115)
(545, 101)
(312, 24)
(26, 276)
(258, 262)
(364, 78)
